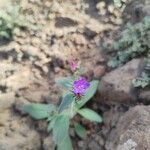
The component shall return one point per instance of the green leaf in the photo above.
(51, 123)
(65, 82)
(113, 63)
(5, 34)
(142, 81)
(80, 130)
(39, 111)
(89, 93)
(66, 101)
(65, 145)
(90, 114)
(60, 129)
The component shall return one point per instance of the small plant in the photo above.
(10, 18)
(144, 80)
(77, 92)
(134, 42)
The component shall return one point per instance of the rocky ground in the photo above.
(30, 63)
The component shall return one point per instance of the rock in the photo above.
(116, 86)
(5, 116)
(82, 145)
(19, 80)
(41, 126)
(17, 141)
(110, 120)
(19, 103)
(139, 11)
(99, 71)
(94, 26)
(56, 7)
(35, 41)
(32, 51)
(132, 131)
(37, 92)
(36, 96)
(48, 143)
(79, 39)
(129, 145)
(90, 34)
(16, 134)
(94, 145)
(6, 100)
(101, 141)
(144, 96)
(65, 22)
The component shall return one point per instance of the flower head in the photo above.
(80, 86)
(73, 65)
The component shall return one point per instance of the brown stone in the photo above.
(144, 96)
(99, 71)
(117, 85)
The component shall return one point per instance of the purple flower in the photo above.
(80, 86)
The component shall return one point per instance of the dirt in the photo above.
(32, 61)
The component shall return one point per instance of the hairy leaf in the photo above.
(90, 115)
(65, 82)
(80, 130)
(51, 123)
(39, 111)
(66, 101)
(60, 129)
(65, 145)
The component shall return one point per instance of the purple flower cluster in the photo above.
(80, 86)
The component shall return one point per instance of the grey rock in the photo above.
(94, 145)
(144, 96)
(48, 143)
(132, 131)
(138, 10)
(116, 86)
(81, 144)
